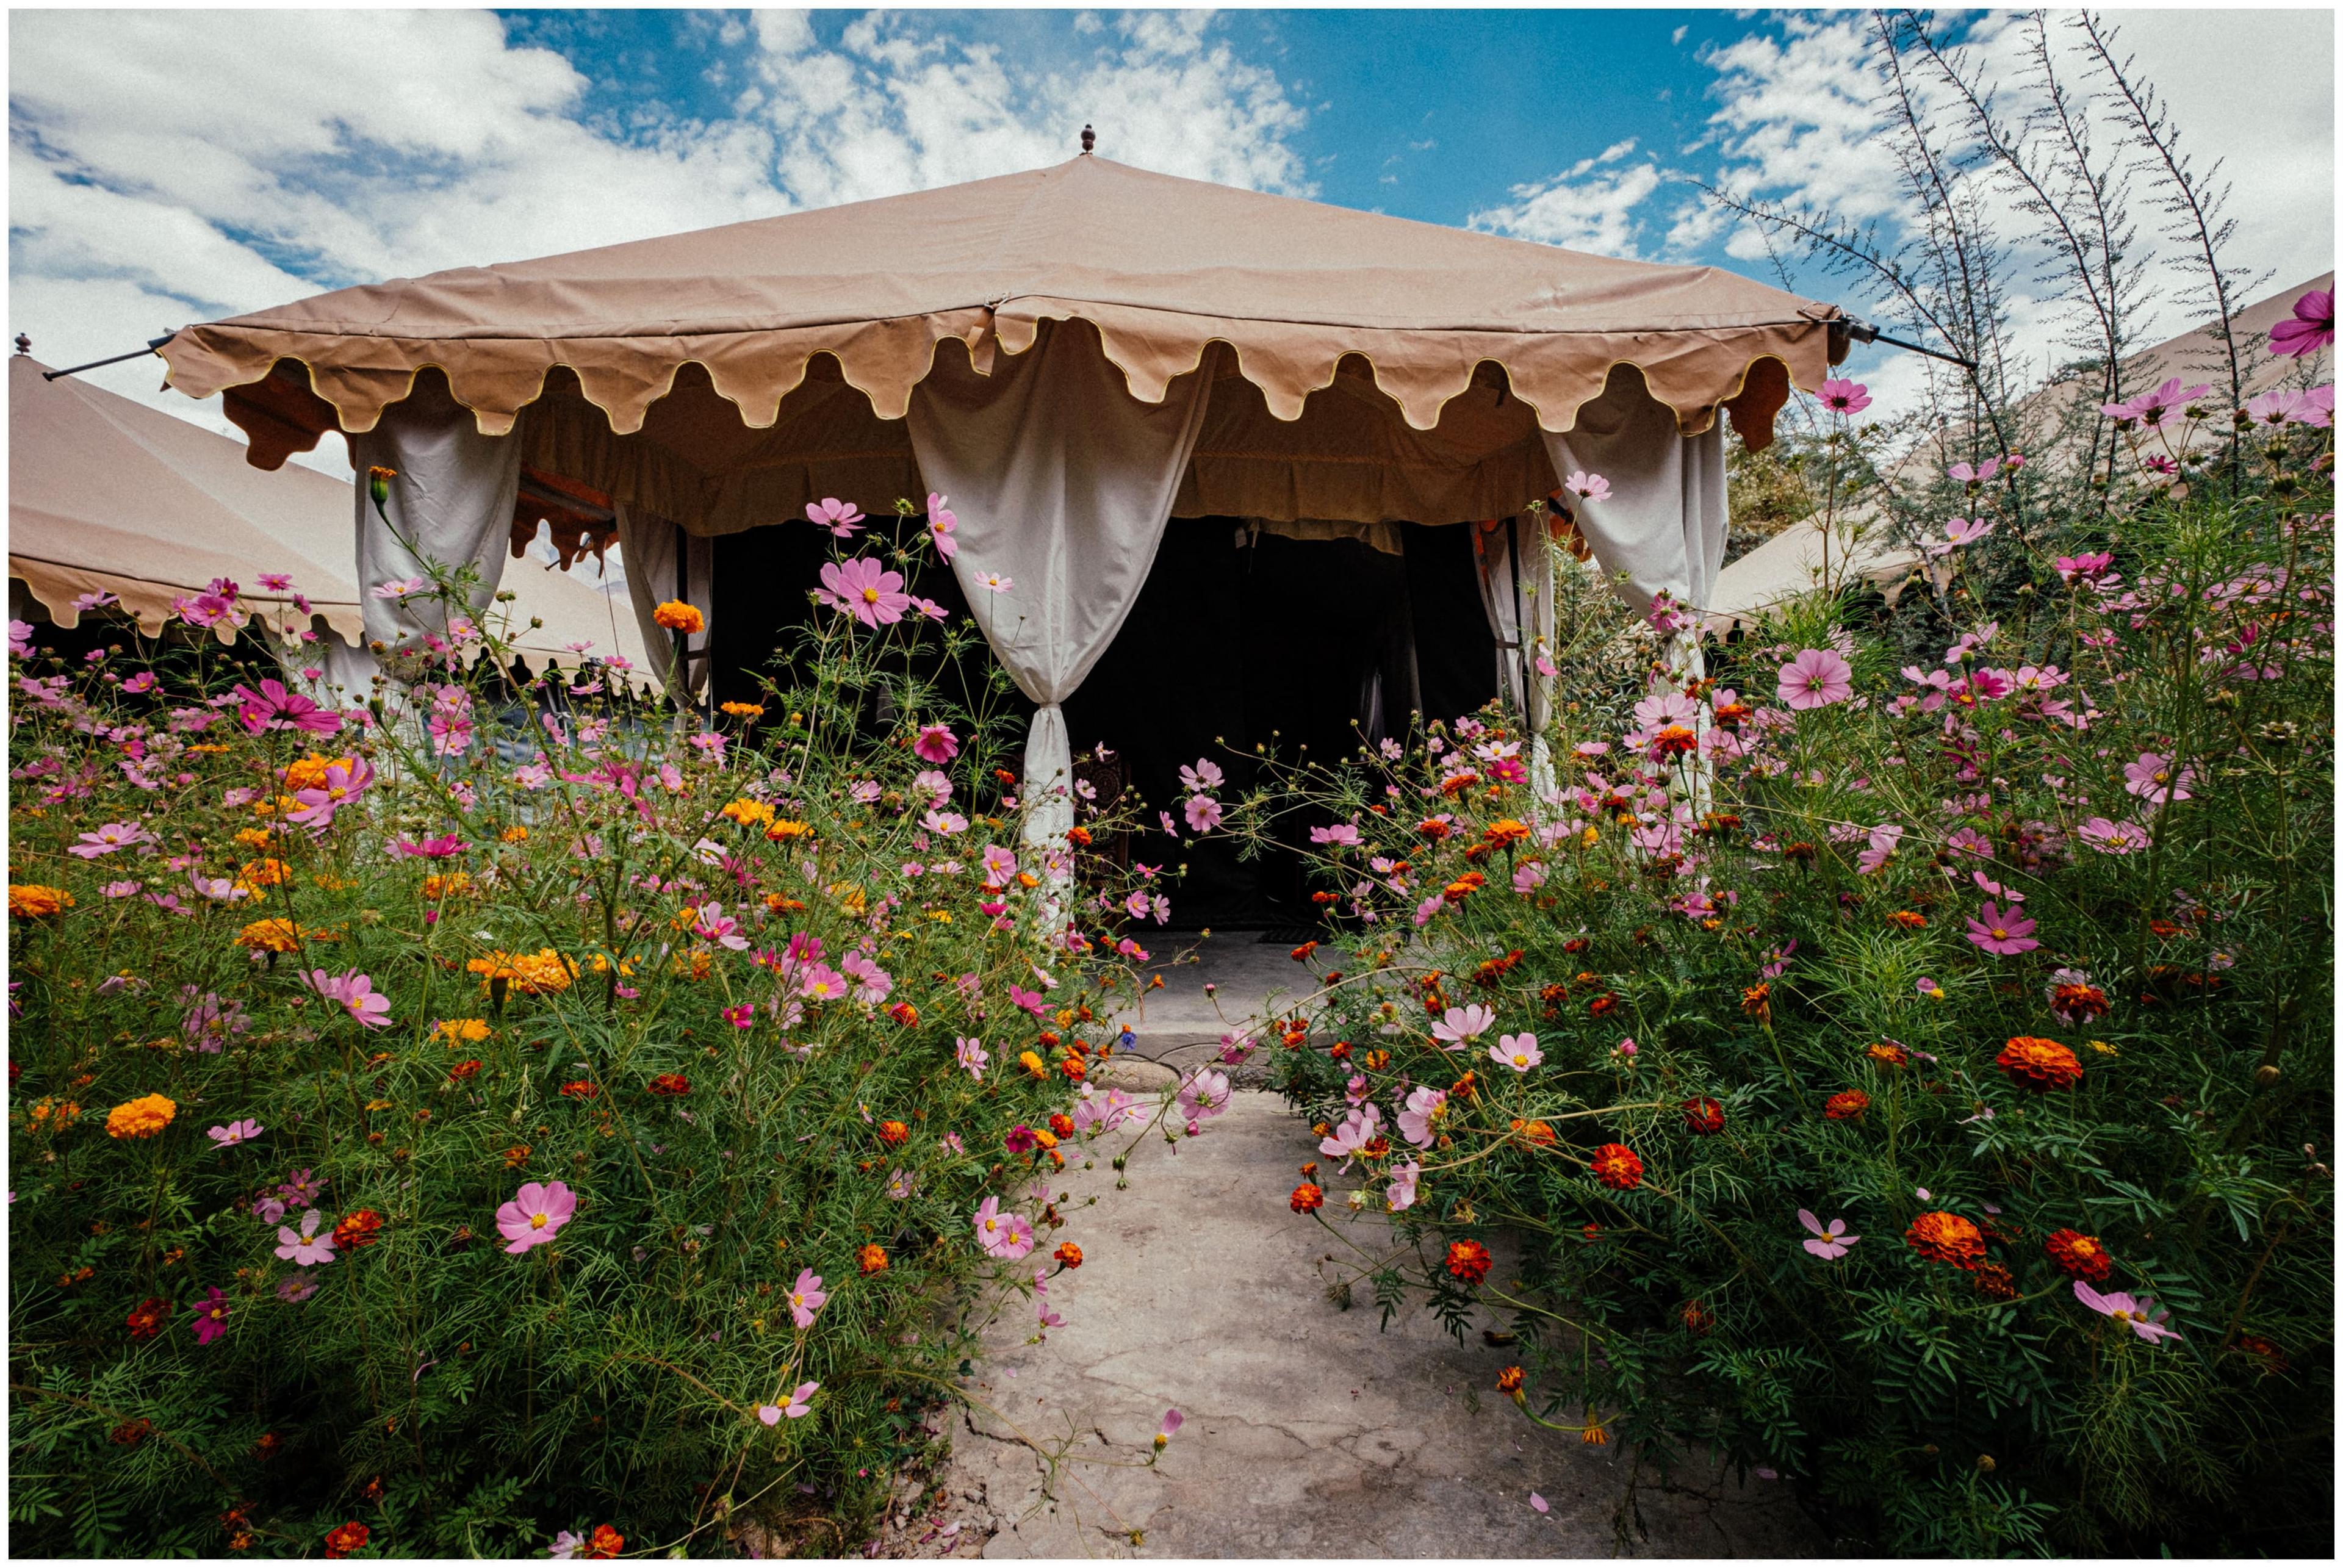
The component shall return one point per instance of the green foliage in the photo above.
(1720, 907)
(591, 981)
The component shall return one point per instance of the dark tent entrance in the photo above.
(1242, 636)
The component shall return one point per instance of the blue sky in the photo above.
(176, 167)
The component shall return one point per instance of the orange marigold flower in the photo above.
(1603, 1005)
(2078, 1256)
(1757, 1001)
(1306, 1197)
(742, 709)
(1910, 919)
(604, 1542)
(1468, 1261)
(677, 615)
(1068, 1255)
(38, 899)
(460, 1030)
(581, 1088)
(1079, 837)
(463, 1070)
(1846, 1105)
(2273, 1359)
(515, 834)
(362, 1228)
(1301, 955)
(1062, 1124)
(264, 873)
(273, 936)
(1510, 1381)
(141, 1118)
(2039, 1065)
(2078, 1001)
(671, 1085)
(1942, 1237)
(1889, 1054)
(1993, 1282)
(1704, 1117)
(148, 1317)
(1032, 1064)
(870, 1259)
(890, 1133)
(1591, 1434)
(345, 1539)
(904, 1013)
(1505, 831)
(1536, 1134)
(1617, 1167)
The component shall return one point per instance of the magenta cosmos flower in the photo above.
(2149, 408)
(865, 590)
(535, 1212)
(345, 781)
(356, 995)
(109, 837)
(1009, 1236)
(1816, 679)
(2310, 328)
(2150, 778)
(274, 707)
(969, 1052)
(806, 1298)
(235, 1132)
(2113, 838)
(211, 1316)
(936, 743)
(2146, 1319)
(2002, 932)
(1846, 397)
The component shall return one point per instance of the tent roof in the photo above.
(1162, 267)
(105, 492)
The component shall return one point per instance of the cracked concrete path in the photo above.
(1309, 1433)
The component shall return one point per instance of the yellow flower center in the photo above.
(871, 596)
(537, 1222)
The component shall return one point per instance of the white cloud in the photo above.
(1590, 206)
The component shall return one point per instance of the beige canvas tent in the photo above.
(1074, 357)
(106, 494)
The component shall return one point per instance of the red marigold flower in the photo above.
(2078, 1256)
(1468, 1261)
(2077, 1002)
(147, 1318)
(1703, 1117)
(1697, 1318)
(2273, 1359)
(1062, 1124)
(604, 1542)
(345, 1539)
(131, 1433)
(1068, 1255)
(2039, 1065)
(1510, 1381)
(1942, 1237)
(1993, 1282)
(1307, 1197)
(1433, 829)
(904, 1013)
(671, 1085)
(1301, 954)
(870, 1259)
(890, 1133)
(1846, 1105)
(463, 1070)
(1616, 1166)
(580, 1090)
(1910, 919)
(1602, 1005)
(358, 1230)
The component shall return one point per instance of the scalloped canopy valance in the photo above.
(1415, 315)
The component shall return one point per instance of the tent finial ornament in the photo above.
(1090, 138)
(24, 344)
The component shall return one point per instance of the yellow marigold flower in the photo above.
(743, 709)
(309, 772)
(1032, 1063)
(677, 615)
(782, 828)
(693, 966)
(271, 936)
(855, 901)
(38, 899)
(2103, 1047)
(141, 1118)
(263, 873)
(515, 834)
(460, 1030)
(747, 812)
(532, 974)
(444, 885)
(254, 837)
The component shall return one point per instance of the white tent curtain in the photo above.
(1062, 482)
(1515, 567)
(451, 502)
(662, 562)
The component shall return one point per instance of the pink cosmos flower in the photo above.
(2315, 408)
(843, 519)
(1204, 775)
(1000, 866)
(709, 924)
(993, 582)
(1341, 833)
(1826, 1244)
(1204, 813)
(344, 782)
(1588, 486)
(806, 1298)
(1982, 474)
(970, 1054)
(2003, 934)
(1172, 1421)
(2149, 408)
(1882, 848)
(1528, 877)
(1030, 1000)
(800, 1404)
(1349, 1140)
(211, 1316)
(941, 524)
(1461, 1024)
(535, 1213)
(819, 982)
(2146, 1319)
(1959, 531)
(1009, 1236)
(2084, 568)
(305, 1247)
(1401, 1195)
(235, 1132)
(2150, 778)
(1202, 1093)
(274, 707)
(741, 1017)
(355, 993)
(1518, 1052)
(1846, 397)
(1816, 677)
(2309, 329)
(865, 590)
(1423, 1106)
(937, 743)
(445, 847)
(109, 837)
(2114, 837)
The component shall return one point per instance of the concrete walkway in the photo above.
(1309, 1433)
